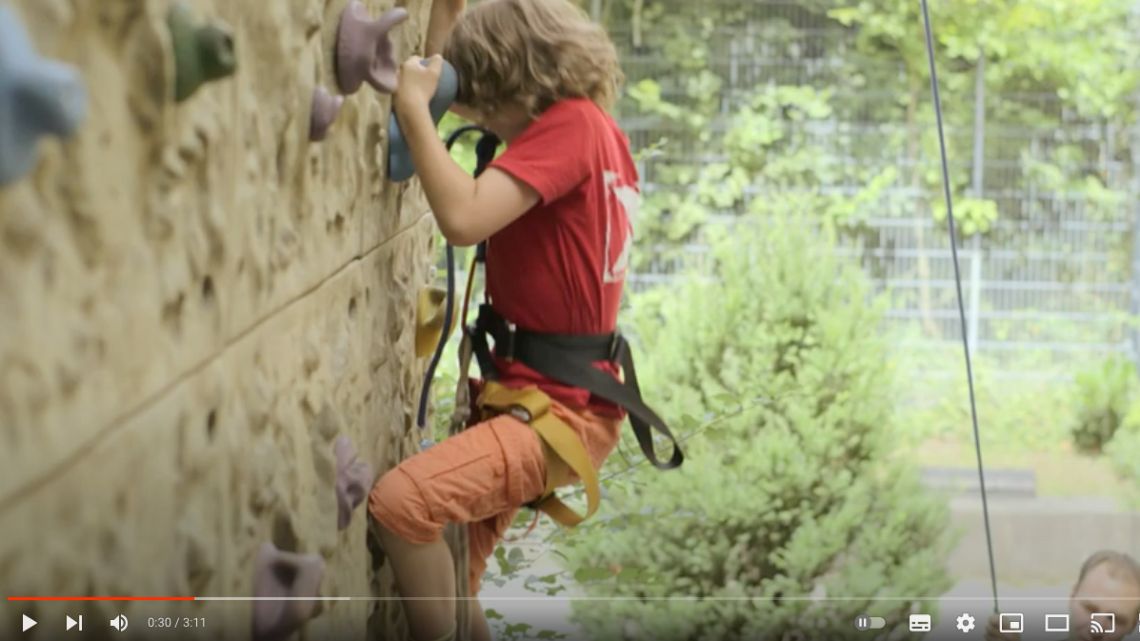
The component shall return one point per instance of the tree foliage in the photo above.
(792, 489)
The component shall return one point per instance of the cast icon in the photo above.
(1102, 623)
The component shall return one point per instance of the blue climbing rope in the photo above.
(484, 153)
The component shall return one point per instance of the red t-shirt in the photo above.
(560, 268)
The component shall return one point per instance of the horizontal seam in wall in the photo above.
(41, 479)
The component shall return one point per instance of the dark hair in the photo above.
(1119, 564)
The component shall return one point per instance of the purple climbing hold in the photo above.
(353, 478)
(280, 574)
(38, 97)
(364, 51)
(326, 107)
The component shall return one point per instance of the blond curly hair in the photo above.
(533, 53)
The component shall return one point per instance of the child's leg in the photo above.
(425, 571)
(480, 630)
(482, 538)
(480, 475)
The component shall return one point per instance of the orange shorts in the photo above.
(480, 477)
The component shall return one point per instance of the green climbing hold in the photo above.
(202, 51)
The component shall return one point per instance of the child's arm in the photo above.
(444, 14)
(468, 211)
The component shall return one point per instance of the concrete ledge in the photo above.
(1038, 540)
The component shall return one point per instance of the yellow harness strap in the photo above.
(565, 455)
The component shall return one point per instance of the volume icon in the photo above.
(119, 623)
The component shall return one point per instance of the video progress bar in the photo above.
(187, 598)
(103, 598)
(491, 598)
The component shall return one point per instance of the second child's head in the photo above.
(516, 58)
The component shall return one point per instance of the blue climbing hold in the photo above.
(400, 167)
(38, 97)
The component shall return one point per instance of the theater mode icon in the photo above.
(1056, 623)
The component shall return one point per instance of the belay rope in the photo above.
(454, 535)
(958, 283)
(485, 153)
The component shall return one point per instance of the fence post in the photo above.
(1134, 303)
(978, 189)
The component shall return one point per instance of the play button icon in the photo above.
(29, 622)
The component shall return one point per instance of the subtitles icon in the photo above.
(1102, 623)
(1011, 622)
(920, 623)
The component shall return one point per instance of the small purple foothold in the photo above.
(364, 50)
(353, 478)
(326, 107)
(284, 574)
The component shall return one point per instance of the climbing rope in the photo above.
(484, 159)
(958, 283)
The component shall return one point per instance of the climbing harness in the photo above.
(958, 282)
(563, 451)
(566, 358)
(569, 359)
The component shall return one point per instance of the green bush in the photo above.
(793, 492)
(1102, 396)
(1124, 451)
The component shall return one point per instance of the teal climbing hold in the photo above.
(364, 49)
(38, 97)
(203, 51)
(400, 167)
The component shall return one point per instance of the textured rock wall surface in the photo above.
(195, 301)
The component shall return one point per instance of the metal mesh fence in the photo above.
(1048, 287)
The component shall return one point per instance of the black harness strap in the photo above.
(569, 359)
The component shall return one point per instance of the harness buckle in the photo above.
(521, 413)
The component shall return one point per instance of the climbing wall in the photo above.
(196, 303)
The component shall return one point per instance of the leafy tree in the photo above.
(792, 488)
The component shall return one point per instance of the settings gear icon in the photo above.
(965, 623)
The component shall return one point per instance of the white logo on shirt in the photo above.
(630, 201)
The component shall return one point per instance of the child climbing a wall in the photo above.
(555, 211)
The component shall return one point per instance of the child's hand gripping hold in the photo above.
(419, 78)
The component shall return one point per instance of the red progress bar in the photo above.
(100, 598)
